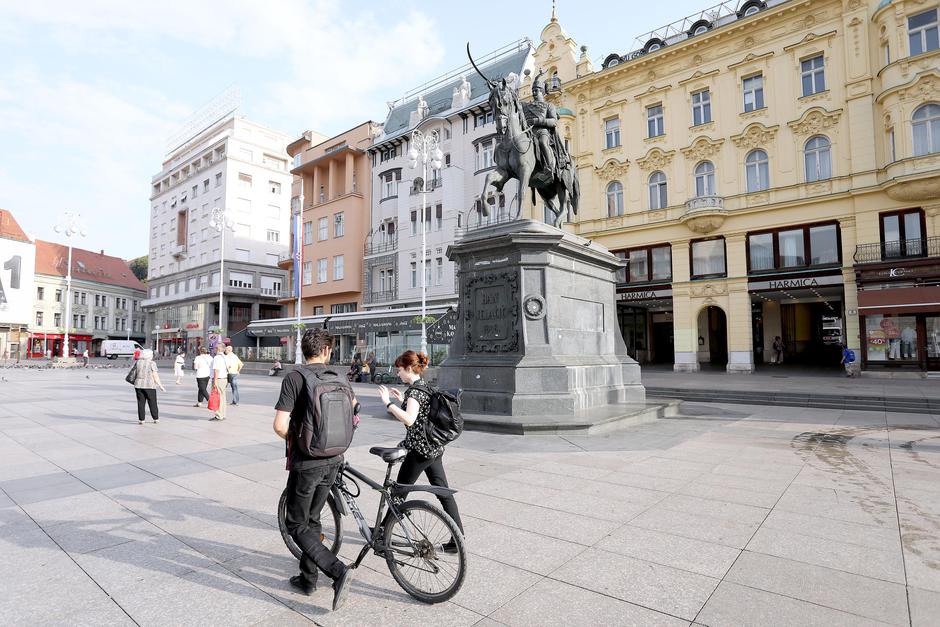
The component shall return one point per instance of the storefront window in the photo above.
(933, 338)
(902, 234)
(823, 244)
(762, 251)
(891, 338)
(662, 263)
(791, 249)
(639, 271)
(622, 272)
(708, 257)
(803, 246)
(652, 263)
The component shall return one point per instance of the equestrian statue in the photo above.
(530, 149)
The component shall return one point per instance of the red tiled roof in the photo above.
(9, 227)
(52, 259)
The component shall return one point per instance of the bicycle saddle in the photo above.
(389, 455)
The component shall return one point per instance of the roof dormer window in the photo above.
(751, 7)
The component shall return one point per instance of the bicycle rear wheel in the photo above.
(331, 534)
(415, 553)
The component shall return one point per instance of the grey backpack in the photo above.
(326, 428)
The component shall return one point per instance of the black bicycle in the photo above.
(422, 545)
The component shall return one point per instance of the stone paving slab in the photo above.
(722, 515)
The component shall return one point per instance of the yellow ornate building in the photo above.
(769, 170)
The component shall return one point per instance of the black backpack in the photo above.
(326, 427)
(444, 424)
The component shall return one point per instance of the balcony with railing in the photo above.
(276, 292)
(704, 203)
(887, 252)
(377, 296)
(433, 184)
(704, 214)
(377, 248)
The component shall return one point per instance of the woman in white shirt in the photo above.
(178, 368)
(203, 366)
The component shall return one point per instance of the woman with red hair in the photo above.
(423, 456)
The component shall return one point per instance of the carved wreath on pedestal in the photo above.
(509, 280)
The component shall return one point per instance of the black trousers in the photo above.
(306, 495)
(412, 467)
(203, 384)
(148, 396)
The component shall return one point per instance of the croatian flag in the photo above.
(298, 255)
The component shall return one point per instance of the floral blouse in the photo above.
(415, 438)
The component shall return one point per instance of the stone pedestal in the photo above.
(537, 332)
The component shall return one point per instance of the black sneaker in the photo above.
(449, 547)
(341, 588)
(303, 584)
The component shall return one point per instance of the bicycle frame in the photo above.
(389, 491)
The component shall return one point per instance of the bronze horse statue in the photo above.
(515, 157)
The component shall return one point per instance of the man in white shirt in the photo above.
(219, 379)
(234, 364)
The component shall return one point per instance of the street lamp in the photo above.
(221, 220)
(70, 224)
(298, 263)
(426, 150)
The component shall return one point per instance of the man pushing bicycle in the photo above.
(316, 416)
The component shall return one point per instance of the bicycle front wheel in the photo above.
(331, 533)
(417, 556)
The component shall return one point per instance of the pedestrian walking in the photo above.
(203, 367)
(219, 379)
(146, 381)
(848, 360)
(423, 456)
(234, 364)
(310, 478)
(778, 350)
(85, 358)
(178, 364)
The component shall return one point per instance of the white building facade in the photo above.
(456, 108)
(106, 302)
(242, 167)
(17, 265)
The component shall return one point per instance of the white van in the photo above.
(112, 349)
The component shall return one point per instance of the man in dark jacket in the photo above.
(310, 479)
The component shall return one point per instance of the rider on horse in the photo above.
(543, 118)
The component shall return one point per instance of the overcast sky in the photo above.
(90, 90)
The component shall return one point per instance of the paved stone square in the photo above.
(728, 515)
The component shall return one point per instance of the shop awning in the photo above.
(173, 330)
(377, 321)
(900, 300)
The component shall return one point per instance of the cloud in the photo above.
(87, 113)
(77, 146)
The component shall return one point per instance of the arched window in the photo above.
(614, 199)
(657, 186)
(555, 84)
(817, 160)
(926, 127)
(700, 29)
(705, 179)
(757, 171)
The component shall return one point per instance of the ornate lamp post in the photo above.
(426, 150)
(221, 221)
(70, 224)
